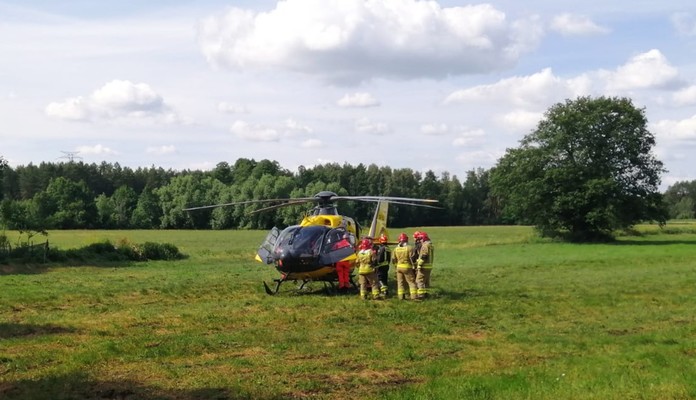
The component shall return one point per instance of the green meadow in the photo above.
(512, 317)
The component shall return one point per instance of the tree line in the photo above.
(77, 195)
(587, 170)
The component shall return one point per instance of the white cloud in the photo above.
(469, 137)
(364, 125)
(685, 97)
(361, 99)
(268, 133)
(355, 40)
(312, 144)
(684, 23)
(479, 158)
(232, 108)
(74, 109)
(161, 150)
(254, 133)
(96, 150)
(649, 70)
(116, 99)
(520, 120)
(125, 96)
(576, 25)
(536, 90)
(172, 118)
(434, 129)
(294, 126)
(675, 130)
(646, 70)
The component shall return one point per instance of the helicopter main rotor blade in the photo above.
(236, 203)
(325, 198)
(239, 203)
(275, 206)
(416, 204)
(391, 199)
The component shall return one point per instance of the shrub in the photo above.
(95, 252)
(160, 251)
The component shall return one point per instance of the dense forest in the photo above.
(76, 195)
(72, 195)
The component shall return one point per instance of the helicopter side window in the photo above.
(337, 239)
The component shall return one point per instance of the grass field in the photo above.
(513, 317)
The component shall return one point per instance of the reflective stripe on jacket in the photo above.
(365, 258)
(427, 254)
(401, 256)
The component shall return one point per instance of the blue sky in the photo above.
(442, 86)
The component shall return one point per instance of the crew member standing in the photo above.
(416, 247)
(343, 267)
(425, 255)
(382, 263)
(366, 270)
(405, 275)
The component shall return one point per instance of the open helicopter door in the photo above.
(264, 254)
(379, 221)
(339, 244)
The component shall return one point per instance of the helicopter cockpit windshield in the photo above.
(301, 241)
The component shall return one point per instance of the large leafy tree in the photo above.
(188, 191)
(476, 191)
(21, 216)
(586, 170)
(124, 201)
(66, 204)
(147, 213)
(680, 199)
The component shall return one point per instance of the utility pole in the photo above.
(70, 155)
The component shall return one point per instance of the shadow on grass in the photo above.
(327, 291)
(12, 330)
(33, 269)
(79, 386)
(631, 242)
(463, 295)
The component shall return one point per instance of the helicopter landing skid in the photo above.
(278, 282)
(329, 286)
(277, 286)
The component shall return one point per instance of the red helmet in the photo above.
(417, 235)
(365, 244)
(383, 239)
(403, 238)
(424, 236)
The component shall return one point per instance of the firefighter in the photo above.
(424, 255)
(405, 275)
(382, 263)
(416, 247)
(367, 276)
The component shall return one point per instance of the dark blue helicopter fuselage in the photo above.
(303, 249)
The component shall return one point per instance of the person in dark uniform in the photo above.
(382, 263)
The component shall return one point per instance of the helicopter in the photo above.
(310, 251)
